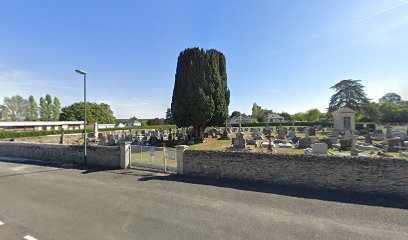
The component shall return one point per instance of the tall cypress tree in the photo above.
(56, 109)
(32, 110)
(200, 95)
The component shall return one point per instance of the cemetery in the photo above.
(340, 140)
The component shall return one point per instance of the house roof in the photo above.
(273, 115)
(344, 110)
(133, 121)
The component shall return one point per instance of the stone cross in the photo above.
(240, 120)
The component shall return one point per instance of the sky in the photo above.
(283, 55)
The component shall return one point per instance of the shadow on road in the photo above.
(370, 199)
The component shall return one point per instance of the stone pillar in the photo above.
(125, 153)
(180, 156)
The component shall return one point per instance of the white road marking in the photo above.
(1, 223)
(28, 237)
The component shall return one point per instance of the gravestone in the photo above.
(319, 149)
(102, 140)
(333, 140)
(345, 144)
(240, 141)
(313, 139)
(96, 132)
(257, 135)
(353, 151)
(282, 134)
(368, 139)
(112, 140)
(292, 134)
(304, 143)
(394, 144)
(328, 142)
(388, 132)
(379, 135)
(311, 131)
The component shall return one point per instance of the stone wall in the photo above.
(68, 139)
(96, 155)
(368, 175)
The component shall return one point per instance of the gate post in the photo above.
(125, 154)
(180, 153)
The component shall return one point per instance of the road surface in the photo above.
(62, 202)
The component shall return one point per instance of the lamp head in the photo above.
(80, 71)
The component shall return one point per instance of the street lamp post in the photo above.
(84, 73)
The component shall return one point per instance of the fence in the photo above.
(156, 158)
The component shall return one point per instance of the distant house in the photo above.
(244, 119)
(133, 123)
(121, 125)
(106, 125)
(274, 117)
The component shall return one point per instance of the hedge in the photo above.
(15, 134)
(359, 126)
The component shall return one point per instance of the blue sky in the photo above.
(283, 55)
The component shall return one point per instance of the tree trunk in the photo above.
(199, 133)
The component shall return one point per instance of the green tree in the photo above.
(259, 113)
(33, 109)
(403, 115)
(3, 112)
(256, 111)
(169, 117)
(17, 108)
(56, 109)
(371, 112)
(313, 115)
(46, 108)
(389, 112)
(299, 117)
(200, 95)
(286, 116)
(102, 113)
(235, 113)
(390, 97)
(349, 93)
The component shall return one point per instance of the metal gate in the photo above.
(154, 158)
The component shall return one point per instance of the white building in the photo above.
(41, 125)
(106, 125)
(133, 123)
(244, 119)
(274, 117)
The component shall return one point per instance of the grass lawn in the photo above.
(212, 144)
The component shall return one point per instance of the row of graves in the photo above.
(153, 137)
(317, 141)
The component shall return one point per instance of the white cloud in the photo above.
(25, 83)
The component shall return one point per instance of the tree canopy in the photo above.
(235, 113)
(101, 113)
(349, 93)
(313, 115)
(259, 113)
(169, 117)
(17, 108)
(200, 96)
(33, 109)
(390, 97)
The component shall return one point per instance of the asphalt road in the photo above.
(61, 202)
